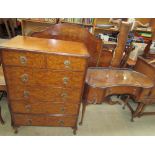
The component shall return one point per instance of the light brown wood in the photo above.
(38, 107)
(40, 93)
(44, 79)
(44, 120)
(31, 76)
(41, 45)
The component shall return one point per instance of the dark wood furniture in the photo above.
(144, 65)
(45, 79)
(104, 82)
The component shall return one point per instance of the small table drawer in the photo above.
(38, 107)
(23, 58)
(66, 63)
(44, 120)
(39, 93)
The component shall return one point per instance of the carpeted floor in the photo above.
(99, 120)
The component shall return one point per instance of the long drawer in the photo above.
(18, 92)
(39, 107)
(31, 76)
(44, 120)
(23, 58)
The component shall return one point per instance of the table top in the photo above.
(46, 45)
(110, 77)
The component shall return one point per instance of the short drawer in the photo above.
(21, 58)
(44, 120)
(43, 77)
(66, 63)
(17, 92)
(38, 107)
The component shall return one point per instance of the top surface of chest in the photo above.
(51, 46)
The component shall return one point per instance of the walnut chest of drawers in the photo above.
(45, 79)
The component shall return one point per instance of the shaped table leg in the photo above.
(83, 112)
(1, 119)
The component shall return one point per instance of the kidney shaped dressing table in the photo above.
(103, 82)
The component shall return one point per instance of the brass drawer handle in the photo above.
(29, 122)
(24, 78)
(67, 63)
(26, 94)
(23, 60)
(64, 95)
(61, 123)
(28, 108)
(62, 109)
(65, 80)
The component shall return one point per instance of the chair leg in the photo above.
(125, 102)
(83, 112)
(1, 119)
(137, 111)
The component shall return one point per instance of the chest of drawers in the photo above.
(45, 79)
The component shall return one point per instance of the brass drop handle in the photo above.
(24, 78)
(65, 80)
(67, 63)
(64, 95)
(62, 109)
(28, 108)
(61, 123)
(29, 122)
(23, 60)
(26, 94)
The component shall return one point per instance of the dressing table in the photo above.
(104, 82)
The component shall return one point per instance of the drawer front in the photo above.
(66, 63)
(17, 92)
(19, 75)
(44, 120)
(39, 107)
(123, 90)
(43, 77)
(20, 58)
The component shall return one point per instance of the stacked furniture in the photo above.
(45, 79)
